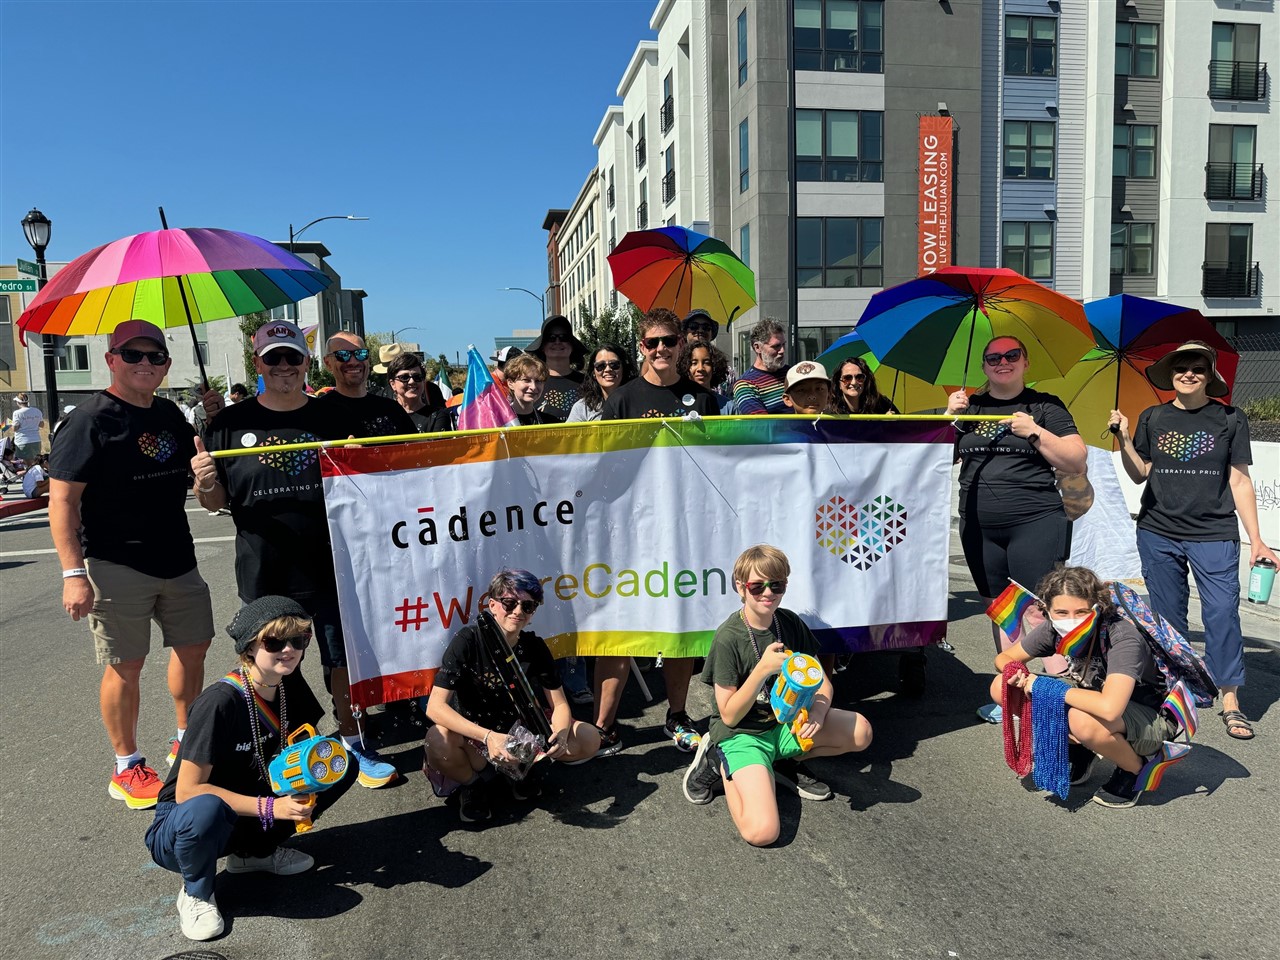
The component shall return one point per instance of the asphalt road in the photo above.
(931, 847)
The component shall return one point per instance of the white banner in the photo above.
(633, 528)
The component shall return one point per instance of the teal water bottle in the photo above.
(1262, 577)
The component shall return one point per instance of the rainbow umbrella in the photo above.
(936, 327)
(1130, 333)
(674, 267)
(907, 393)
(171, 278)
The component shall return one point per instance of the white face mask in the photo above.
(1065, 626)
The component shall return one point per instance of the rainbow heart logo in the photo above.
(292, 462)
(1185, 446)
(159, 447)
(861, 535)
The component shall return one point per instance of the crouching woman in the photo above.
(218, 799)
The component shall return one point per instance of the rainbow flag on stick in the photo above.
(484, 403)
(1007, 609)
(1076, 643)
(1149, 777)
(1182, 707)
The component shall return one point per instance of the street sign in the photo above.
(29, 268)
(22, 285)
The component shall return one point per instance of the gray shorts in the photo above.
(1146, 728)
(126, 601)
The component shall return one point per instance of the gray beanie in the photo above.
(257, 614)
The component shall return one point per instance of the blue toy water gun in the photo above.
(305, 767)
(793, 693)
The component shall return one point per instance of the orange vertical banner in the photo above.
(937, 176)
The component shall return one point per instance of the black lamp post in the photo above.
(37, 227)
(541, 301)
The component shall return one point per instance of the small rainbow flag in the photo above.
(1182, 707)
(1149, 777)
(1076, 643)
(1007, 609)
(484, 403)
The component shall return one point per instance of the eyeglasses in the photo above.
(557, 338)
(277, 644)
(410, 378)
(849, 378)
(157, 358)
(1009, 356)
(292, 357)
(756, 587)
(509, 604)
(1198, 371)
(651, 343)
(604, 365)
(346, 356)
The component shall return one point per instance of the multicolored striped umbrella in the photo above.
(936, 327)
(907, 393)
(681, 270)
(170, 277)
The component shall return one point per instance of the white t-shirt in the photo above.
(29, 480)
(26, 425)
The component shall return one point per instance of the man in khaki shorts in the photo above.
(117, 495)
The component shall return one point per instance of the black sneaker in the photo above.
(610, 742)
(797, 778)
(527, 789)
(703, 776)
(680, 729)
(1121, 790)
(1081, 759)
(473, 804)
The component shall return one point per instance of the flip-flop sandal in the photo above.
(1235, 721)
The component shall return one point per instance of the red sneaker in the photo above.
(139, 786)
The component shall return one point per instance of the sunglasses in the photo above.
(346, 356)
(756, 587)
(849, 378)
(1009, 356)
(410, 378)
(699, 327)
(509, 604)
(157, 358)
(1198, 371)
(277, 644)
(557, 338)
(604, 365)
(275, 357)
(651, 343)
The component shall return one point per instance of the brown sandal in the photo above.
(1237, 725)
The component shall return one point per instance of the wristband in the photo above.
(74, 572)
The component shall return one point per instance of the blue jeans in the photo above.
(1216, 567)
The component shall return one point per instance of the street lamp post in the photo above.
(37, 228)
(541, 302)
(295, 234)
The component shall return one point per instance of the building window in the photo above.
(200, 352)
(669, 175)
(642, 211)
(840, 145)
(744, 155)
(1028, 150)
(839, 252)
(742, 47)
(744, 243)
(287, 312)
(1133, 249)
(1137, 49)
(1133, 152)
(642, 154)
(1030, 46)
(1234, 71)
(75, 358)
(1027, 247)
(844, 35)
(1231, 173)
(667, 116)
(1229, 270)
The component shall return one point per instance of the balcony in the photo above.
(613, 242)
(1233, 181)
(608, 196)
(642, 216)
(1237, 80)
(668, 114)
(669, 186)
(641, 155)
(1229, 280)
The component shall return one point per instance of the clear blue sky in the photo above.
(453, 126)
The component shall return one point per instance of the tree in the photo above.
(216, 382)
(249, 325)
(611, 325)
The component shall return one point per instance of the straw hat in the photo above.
(388, 353)
(1160, 373)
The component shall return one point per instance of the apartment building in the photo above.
(581, 253)
(552, 223)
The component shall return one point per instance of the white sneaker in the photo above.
(200, 919)
(283, 862)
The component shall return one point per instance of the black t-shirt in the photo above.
(537, 416)
(1188, 492)
(1119, 649)
(1004, 480)
(219, 734)
(367, 416)
(639, 399)
(134, 462)
(427, 420)
(276, 499)
(561, 394)
(479, 693)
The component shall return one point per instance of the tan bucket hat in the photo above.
(386, 354)
(1160, 373)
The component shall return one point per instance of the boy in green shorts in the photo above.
(745, 741)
